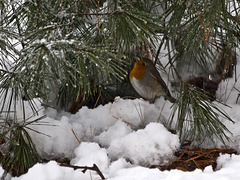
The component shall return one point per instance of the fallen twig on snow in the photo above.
(85, 168)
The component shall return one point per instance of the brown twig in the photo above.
(97, 13)
(76, 136)
(97, 99)
(206, 30)
(128, 123)
(85, 168)
(170, 161)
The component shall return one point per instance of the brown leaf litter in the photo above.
(191, 159)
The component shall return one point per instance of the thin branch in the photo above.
(97, 99)
(76, 136)
(205, 30)
(98, 12)
(158, 51)
(161, 111)
(119, 9)
(85, 168)
(237, 98)
(170, 61)
(95, 14)
(164, 37)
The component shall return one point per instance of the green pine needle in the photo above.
(198, 119)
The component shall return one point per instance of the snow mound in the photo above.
(136, 112)
(120, 129)
(56, 138)
(149, 146)
(52, 171)
(102, 124)
(228, 163)
(88, 154)
(115, 166)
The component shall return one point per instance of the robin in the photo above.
(147, 81)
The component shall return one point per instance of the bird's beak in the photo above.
(138, 61)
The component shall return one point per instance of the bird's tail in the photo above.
(171, 99)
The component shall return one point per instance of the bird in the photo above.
(147, 81)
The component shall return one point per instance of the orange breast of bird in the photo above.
(138, 71)
(143, 82)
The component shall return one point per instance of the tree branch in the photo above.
(85, 168)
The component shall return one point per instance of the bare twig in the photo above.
(140, 114)
(130, 124)
(76, 136)
(85, 168)
(237, 98)
(97, 99)
(158, 51)
(98, 12)
(4, 175)
(227, 96)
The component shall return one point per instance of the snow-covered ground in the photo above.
(123, 138)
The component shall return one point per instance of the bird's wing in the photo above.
(158, 78)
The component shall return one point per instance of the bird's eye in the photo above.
(144, 64)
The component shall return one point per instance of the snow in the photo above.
(149, 146)
(121, 170)
(115, 132)
(123, 139)
(103, 125)
(88, 154)
(52, 171)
